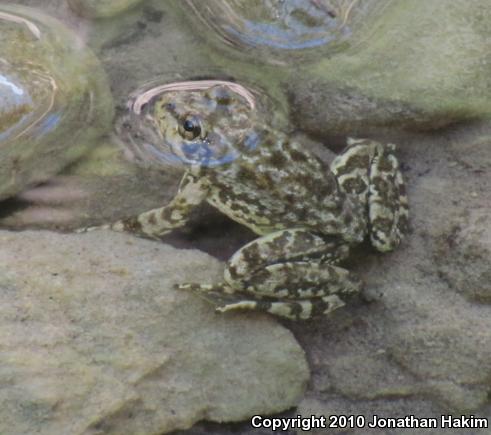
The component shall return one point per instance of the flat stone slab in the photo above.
(94, 340)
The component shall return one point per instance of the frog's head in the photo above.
(205, 127)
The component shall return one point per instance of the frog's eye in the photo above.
(190, 127)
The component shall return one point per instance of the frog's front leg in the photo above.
(289, 273)
(159, 221)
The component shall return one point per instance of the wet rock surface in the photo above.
(55, 98)
(96, 341)
(419, 67)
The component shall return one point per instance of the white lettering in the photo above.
(463, 422)
(256, 421)
(340, 421)
(284, 424)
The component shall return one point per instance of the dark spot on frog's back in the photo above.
(354, 185)
(325, 188)
(245, 174)
(278, 159)
(298, 156)
(348, 218)
(301, 214)
(290, 199)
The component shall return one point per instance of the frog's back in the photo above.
(280, 185)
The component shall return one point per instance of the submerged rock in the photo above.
(96, 341)
(101, 8)
(279, 28)
(416, 65)
(55, 98)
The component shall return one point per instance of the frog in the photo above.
(307, 215)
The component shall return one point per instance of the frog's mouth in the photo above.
(208, 152)
(205, 153)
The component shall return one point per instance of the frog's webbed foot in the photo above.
(288, 273)
(299, 309)
(370, 171)
(94, 228)
(225, 299)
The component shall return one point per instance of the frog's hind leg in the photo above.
(291, 273)
(370, 171)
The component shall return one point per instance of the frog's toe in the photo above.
(90, 229)
(293, 310)
(289, 310)
(194, 287)
(205, 288)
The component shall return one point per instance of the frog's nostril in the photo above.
(169, 107)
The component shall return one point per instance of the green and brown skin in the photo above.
(305, 213)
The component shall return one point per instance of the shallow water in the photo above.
(378, 66)
(416, 73)
(273, 27)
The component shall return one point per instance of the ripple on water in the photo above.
(276, 26)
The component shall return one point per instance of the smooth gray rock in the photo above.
(55, 98)
(463, 254)
(94, 340)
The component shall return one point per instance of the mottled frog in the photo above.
(305, 213)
